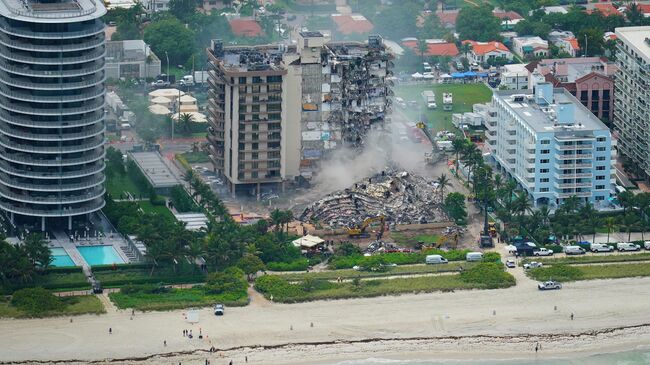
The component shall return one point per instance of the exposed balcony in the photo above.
(93, 143)
(27, 70)
(94, 92)
(89, 30)
(92, 131)
(86, 108)
(28, 45)
(28, 172)
(66, 185)
(91, 80)
(92, 55)
(26, 197)
(573, 176)
(78, 209)
(95, 118)
(29, 158)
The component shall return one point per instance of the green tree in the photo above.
(594, 41)
(185, 124)
(183, 9)
(443, 183)
(626, 200)
(455, 207)
(610, 223)
(250, 265)
(478, 23)
(170, 36)
(397, 22)
(37, 251)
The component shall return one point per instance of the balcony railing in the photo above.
(93, 55)
(94, 130)
(86, 108)
(29, 158)
(95, 92)
(579, 194)
(92, 80)
(90, 170)
(93, 193)
(68, 185)
(94, 143)
(27, 46)
(88, 69)
(93, 29)
(26, 122)
(87, 207)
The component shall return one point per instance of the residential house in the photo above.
(565, 41)
(483, 51)
(435, 47)
(348, 24)
(514, 77)
(245, 28)
(530, 47)
(131, 59)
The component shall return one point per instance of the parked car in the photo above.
(549, 285)
(160, 83)
(533, 265)
(601, 247)
(574, 250)
(219, 309)
(510, 263)
(627, 246)
(543, 251)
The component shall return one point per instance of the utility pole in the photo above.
(585, 54)
(167, 56)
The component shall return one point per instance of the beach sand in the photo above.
(610, 315)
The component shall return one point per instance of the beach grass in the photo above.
(593, 259)
(465, 96)
(174, 299)
(142, 275)
(590, 272)
(393, 271)
(87, 304)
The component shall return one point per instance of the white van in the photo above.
(646, 245)
(474, 256)
(574, 250)
(435, 259)
(627, 246)
(601, 247)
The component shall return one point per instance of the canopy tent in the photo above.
(417, 75)
(470, 74)
(196, 116)
(458, 75)
(308, 241)
(188, 99)
(161, 100)
(445, 76)
(159, 109)
(482, 74)
(428, 76)
(168, 93)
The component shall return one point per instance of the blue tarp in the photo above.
(470, 74)
(482, 74)
(458, 75)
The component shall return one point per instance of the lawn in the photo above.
(147, 207)
(598, 258)
(88, 304)
(465, 95)
(394, 271)
(174, 299)
(573, 273)
(117, 185)
(411, 241)
(196, 157)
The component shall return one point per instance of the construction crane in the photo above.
(430, 157)
(360, 230)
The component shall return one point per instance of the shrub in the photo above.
(488, 274)
(556, 272)
(296, 265)
(230, 280)
(492, 257)
(36, 300)
(278, 287)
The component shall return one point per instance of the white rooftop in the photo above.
(53, 12)
(152, 166)
(637, 37)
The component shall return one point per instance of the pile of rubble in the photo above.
(401, 197)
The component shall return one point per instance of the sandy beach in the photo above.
(609, 315)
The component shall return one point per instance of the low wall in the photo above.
(398, 228)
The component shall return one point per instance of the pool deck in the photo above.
(63, 241)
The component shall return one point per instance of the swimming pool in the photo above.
(100, 255)
(60, 258)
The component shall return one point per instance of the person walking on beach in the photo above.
(536, 347)
(572, 316)
(165, 343)
(110, 331)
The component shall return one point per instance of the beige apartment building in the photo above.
(277, 111)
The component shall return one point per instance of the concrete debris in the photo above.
(400, 196)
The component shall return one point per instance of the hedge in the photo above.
(398, 258)
(297, 265)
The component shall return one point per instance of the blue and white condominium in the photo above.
(552, 145)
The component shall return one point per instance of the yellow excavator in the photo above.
(360, 230)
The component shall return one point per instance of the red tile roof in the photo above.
(450, 16)
(349, 24)
(245, 27)
(607, 9)
(511, 15)
(481, 48)
(433, 49)
(574, 43)
(644, 8)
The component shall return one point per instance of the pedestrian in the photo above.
(133, 312)
(230, 363)
(183, 333)
(572, 316)
(110, 331)
(246, 358)
(165, 343)
(536, 348)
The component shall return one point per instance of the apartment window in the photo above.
(544, 180)
(600, 198)
(274, 87)
(255, 147)
(255, 89)
(276, 78)
(256, 117)
(274, 154)
(255, 156)
(242, 146)
(256, 98)
(594, 95)
(274, 126)
(273, 107)
(257, 80)
(240, 175)
(543, 171)
(242, 89)
(256, 108)
(254, 175)
(544, 160)
(600, 149)
(584, 95)
(255, 165)
(242, 117)
(545, 152)
(605, 94)
(600, 177)
(242, 80)
(605, 104)
(601, 139)
(600, 168)
(594, 106)
(600, 158)
(545, 141)
(275, 116)
(600, 187)
(543, 190)
(256, 127)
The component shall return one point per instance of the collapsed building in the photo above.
(399, 196)
(277, 111)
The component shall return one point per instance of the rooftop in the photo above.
(435, 47)
(575, 68)
(253, 58)
(543, 118)
(481, 48)
(52, 12)
(349, 24)
(638, 38)
(518, 68)
(154, 169)
(245, 27)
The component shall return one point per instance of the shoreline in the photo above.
(502, 324)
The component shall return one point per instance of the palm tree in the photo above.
(190, 177)
(457, 147)
(195, 250)
(589, 215)
(443, 182)
(466, 48)
(522, 203)
(276, 219)
(423, 47)
(643, 202)
(571, 204)
(185, 123)
(609, 224)
(626, 200)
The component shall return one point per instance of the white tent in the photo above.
(168, 93)
(161, 100)
(308, 241)
(159, 109)
(417, 75)
(428, 76)
(196, 116)
(445, 76)
(188, 99)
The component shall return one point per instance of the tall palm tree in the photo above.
(571, 204)
(443, 182)
(185, 123)
(457, 147)
(190, 177)
(465, 48)
(609, 224)
(423, 47)
(276, 219)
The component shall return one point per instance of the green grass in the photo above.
(196, 157)
(174, 299)
(118, 185)
(394, 271)
(88, 304)
(598, 258)
(573, 273)
(411, 241)
(465, 95)
(139, 275)
(147, 207)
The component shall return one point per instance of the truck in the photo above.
(447, 101)
(187, 80)
(429, 99)
(486, 241)
(201, 78)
